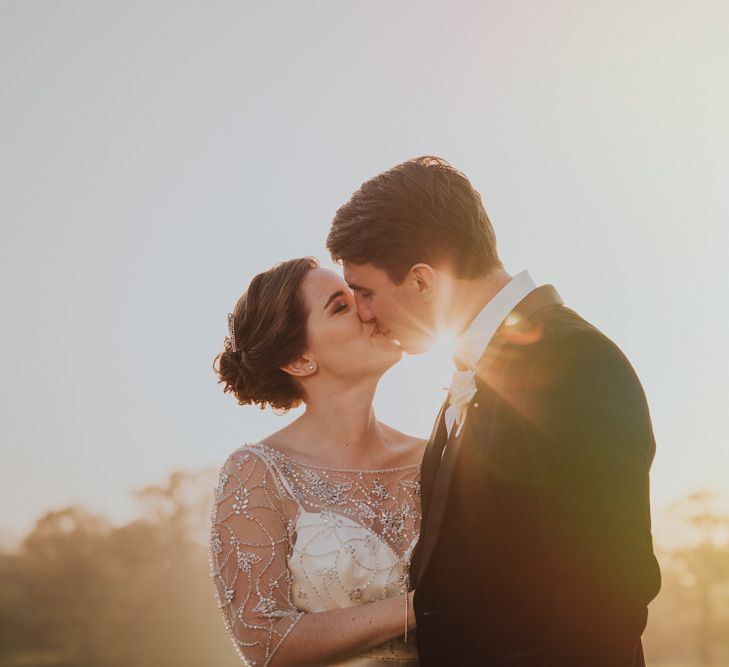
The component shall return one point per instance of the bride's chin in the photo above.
(391, 351)
(394, 354)
(387, 355)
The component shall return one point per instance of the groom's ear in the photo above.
(300, 367)
(423, 279)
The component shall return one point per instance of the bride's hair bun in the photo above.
(267, 331)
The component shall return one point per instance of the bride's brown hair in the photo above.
(268, 331)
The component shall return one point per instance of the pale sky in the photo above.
(154, 156)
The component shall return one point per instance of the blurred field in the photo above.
(80, 592)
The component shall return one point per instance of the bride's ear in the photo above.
(422, 279)
(300, 367)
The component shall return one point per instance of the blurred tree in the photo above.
(181, 506)
(81, 592)
(704, 563)
(15, 612)
(66, 583)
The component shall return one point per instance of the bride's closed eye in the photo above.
(337, 303)
(340, 307)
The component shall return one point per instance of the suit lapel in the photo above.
(432, 459)
(536, 300)
(428, 472)
(436, 507)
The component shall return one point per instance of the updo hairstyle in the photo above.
(268, 331)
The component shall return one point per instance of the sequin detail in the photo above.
(288, 539)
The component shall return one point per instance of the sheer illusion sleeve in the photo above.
(248, 548)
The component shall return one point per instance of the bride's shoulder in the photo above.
(409, 447)
(253, 466)
(248, 456)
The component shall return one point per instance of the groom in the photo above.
(535, 545)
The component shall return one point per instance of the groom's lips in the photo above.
(377, 333)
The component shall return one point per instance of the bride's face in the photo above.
(338, 341)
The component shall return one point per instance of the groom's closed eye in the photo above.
(361, 291)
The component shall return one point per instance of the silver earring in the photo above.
(311, 367)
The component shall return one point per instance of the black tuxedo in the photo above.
(535, 545)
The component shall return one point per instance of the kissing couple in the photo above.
(518, 535)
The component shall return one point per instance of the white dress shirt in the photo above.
(472, 343)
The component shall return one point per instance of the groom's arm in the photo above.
(594, 445)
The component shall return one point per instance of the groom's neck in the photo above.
(473, 295)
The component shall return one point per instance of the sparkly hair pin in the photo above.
(231, 332)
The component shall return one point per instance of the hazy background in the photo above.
(155, 155)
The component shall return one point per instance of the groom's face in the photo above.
(398, 311)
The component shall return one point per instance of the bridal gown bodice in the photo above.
(289, 539)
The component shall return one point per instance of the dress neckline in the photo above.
(278, 452)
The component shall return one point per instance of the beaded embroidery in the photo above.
(270, 519)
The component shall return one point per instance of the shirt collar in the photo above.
(471, 344)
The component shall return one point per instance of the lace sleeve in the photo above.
(248, 547)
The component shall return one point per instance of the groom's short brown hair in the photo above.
(423, 210)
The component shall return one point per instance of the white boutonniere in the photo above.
(460, 394)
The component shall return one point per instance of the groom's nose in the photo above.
(363, 310)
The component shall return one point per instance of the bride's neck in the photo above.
(339, 426)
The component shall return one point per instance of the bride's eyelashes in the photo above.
(341, 307)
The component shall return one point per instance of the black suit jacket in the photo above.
(535, 545)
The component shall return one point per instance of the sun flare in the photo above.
(436, 365)
(444, 347)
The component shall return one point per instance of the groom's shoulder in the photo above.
(563, 326)
(562, 320)
(569, 338)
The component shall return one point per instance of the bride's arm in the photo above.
(340, 633)
(249, 543)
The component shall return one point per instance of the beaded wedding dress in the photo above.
(289, 539)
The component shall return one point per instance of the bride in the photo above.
(312, 528)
